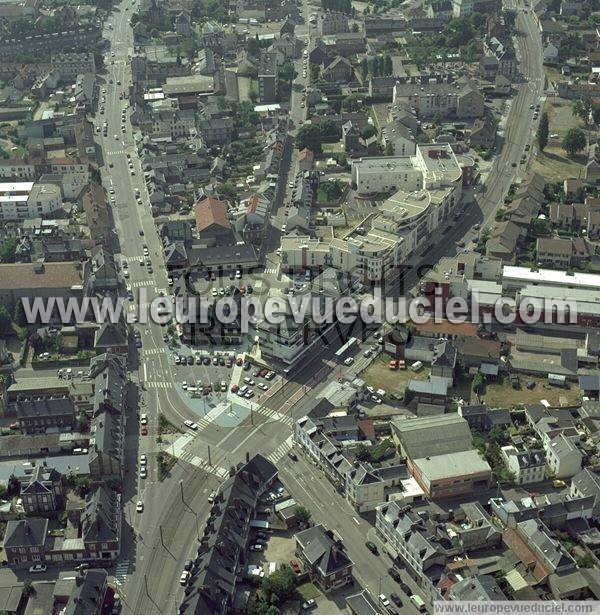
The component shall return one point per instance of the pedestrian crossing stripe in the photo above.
(203, 464)
(277, 416)
(121, 571)
(281, 451)
(159, 385)
(142, 283)
(272, 270)
(152, 351)
(116, 152)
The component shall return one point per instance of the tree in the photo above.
(509, 18)
(542, 132)
(362, 452)
(279, 585)
(20, 316)
(574, 141)
(388, 67)
(287, 72)
(582, 109)
(27, 588)
(83, 423)
(302, 514)
(309, 135)
(364, 68)
(596, 113)
(354, 27)
(5, 321)
(477, 382)
(7, 250)
(368, 131)
(389, 148)
(353, 102)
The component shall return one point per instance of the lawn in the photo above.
(499, 395)
(308, 591)
(380, 376)
(165, 463)
(553, 162)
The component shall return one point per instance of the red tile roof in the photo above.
(211, 211)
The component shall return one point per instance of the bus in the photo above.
(347, 346)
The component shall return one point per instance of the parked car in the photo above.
(38, 568)
(294, 566)
(309, 604)
(184, 578)
(396, 599)
(394, 574)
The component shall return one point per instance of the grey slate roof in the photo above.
(29, 532)
(322, 551)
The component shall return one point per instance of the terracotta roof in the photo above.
(50, 275)
(211, 211)
(447, 328)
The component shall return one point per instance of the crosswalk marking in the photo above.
(141, 283)
(202, 464)
(272, 270)
(159, 385)
(152, 351)
(281, 451)
(273, 414)
(116, 152)
(121, 572)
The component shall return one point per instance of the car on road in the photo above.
(184, 578)
(396, 599)
(206, 361)
(372, 547)
(394, 574)
(143, 419)
(144, 431)
(38, 568)
(293, 456)
(309, 604)
(349, 361)
(383, 600)
(143, 460)
(212, 497)
(139, 507)
(143, 472)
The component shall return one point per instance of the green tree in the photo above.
(309, 135)
(582, 109)
(20, 316)
(353, 102)
(7, 250)
(542, 132)
(574, 141)
(302, 514)
(387, 65)
(83, 423)
(458, 32)
(27, 588)
(279, 585)
(477, 382)
(354, 27)
(364, 68)
(5, 321)
(287, 72)
(596, 113)
(368, 131)
(509, 18)
(389, 148)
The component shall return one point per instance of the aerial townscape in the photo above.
(299, 305)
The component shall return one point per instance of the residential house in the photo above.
(526, 466)
(100, 525)
(338, 70)
(483, 133)
(24, 540)
(37, 415)
(212, 222)
(324, 557)
(333, 22)
(563, 457)
(42, 492)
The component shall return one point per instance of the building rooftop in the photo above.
(452, 464)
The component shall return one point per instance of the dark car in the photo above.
(190, 360)
(396, 599)
(206, 360)
(247, 366)
(188, 564)
(394, 574)
(293, 456)
(372, 547)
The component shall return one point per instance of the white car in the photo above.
(256, 548)
(184, 578)
(139, 507)
(263, 386)
(38, 568)
(215, 292)
(349, 361)
(143, 460)
(383, 600)
(143, 472)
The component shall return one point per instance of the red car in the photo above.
(294, 566)
(235, 388)
(144, 431)
(228, 362)
(239, 361)
(263, 372)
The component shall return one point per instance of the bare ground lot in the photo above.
(553, 162)
(501, 395)
(379, 375)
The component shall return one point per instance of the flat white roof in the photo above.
(550, 276)
(16, 186)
